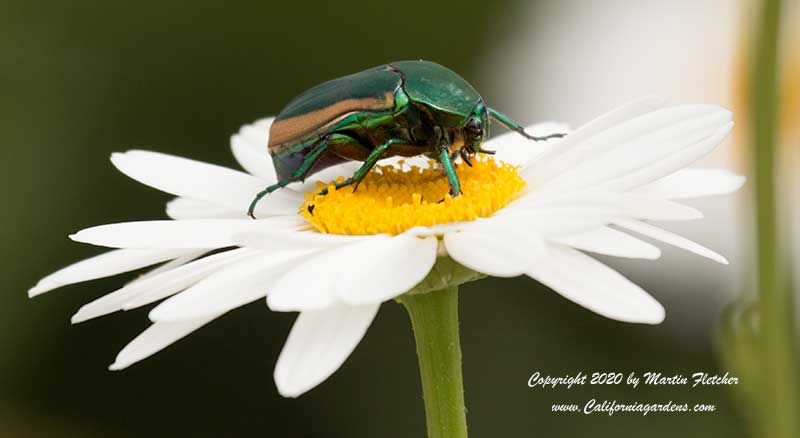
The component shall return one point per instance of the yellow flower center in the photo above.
(393, 199)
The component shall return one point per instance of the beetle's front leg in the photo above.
(449, 170)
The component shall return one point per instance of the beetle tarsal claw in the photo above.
(465, 157)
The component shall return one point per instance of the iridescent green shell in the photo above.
(323, 105)
(373, 90)
(438, 87)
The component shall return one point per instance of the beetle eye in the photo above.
(473, 126)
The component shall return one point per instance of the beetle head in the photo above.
(476, 128)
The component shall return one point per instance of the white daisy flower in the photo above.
(535, 210)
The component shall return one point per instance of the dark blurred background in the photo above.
(82, 79)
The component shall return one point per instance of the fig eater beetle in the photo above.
(404, 108)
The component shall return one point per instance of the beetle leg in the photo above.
(303, 170)
(477, 148)
(362, 171)
(447, 164)
(511, 124)
(465, 157)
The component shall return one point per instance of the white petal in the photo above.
(157, 337)
(513, 148)
(104, 265)
(185, 208)
(651, 208)
(692, 183)
(184, 277)
(534, 200)
(436, 230)
(406, 162)
(635, 144)
(319, 343)
(250, 149)
(206, 182)
(345, 170)
(595, 286)
(495, 250)
(669, 164)
(257, 133)
(189, 234)
(611, 242)
(595, 127)
(553, 220)
(169, 266)
(670, 238)
(626, 204)
(392, 267)
(313, 284)
(159, 286)
(232, 287)
(270, 240)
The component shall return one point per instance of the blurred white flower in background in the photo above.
(567, 59)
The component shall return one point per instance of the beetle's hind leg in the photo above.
(514, 126)
(304, 169)
(280, 184)
(368, 164)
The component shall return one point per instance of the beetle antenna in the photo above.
(514, 126)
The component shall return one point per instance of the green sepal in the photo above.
(446, 273)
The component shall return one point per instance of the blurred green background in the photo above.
(81, 79)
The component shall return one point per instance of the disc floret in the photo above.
(392, 199)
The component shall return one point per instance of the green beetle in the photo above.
(404, 108)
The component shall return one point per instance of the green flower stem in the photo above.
(434, 317)
(779, 358)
